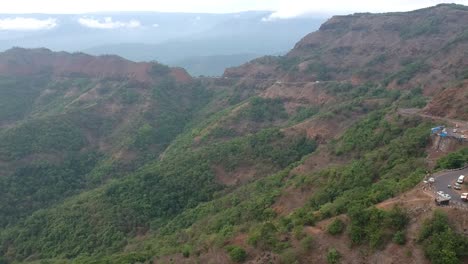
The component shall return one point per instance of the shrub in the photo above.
(454, 160)
(265, 237)
(333, 256)
(298, 232)
(441, 244)
(336, 227)
(159, 69)
(303, 113)
(399, 238)
(265, 109)
(376, 226)
(186, 251)
(289, 256)
(307, 243)
(237, 254)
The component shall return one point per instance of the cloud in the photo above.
(293, 8)
(24, 23)
(108, 23)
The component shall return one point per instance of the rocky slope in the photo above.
(424, 49)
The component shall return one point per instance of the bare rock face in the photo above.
(450, 103)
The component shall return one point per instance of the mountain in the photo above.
(316, 156)
(170, 38)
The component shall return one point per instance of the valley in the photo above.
(315, 156)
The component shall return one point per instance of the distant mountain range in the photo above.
(193, 41)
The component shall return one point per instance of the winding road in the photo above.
(443, 179)
(416, 111)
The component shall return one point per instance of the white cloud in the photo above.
(108, 23)
(155, 25)
(281, 8)
(293, 8)
(24, 23)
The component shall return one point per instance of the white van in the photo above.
(461, 179)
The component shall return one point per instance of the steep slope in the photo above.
(424, 49)
(70, 122)
(241, 168)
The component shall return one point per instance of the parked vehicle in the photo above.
(461, 179)
(464, 197)
(442, 200)
(431, 180)
(457, 186)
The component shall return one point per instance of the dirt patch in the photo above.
(125, 156)
(240, 175)
(308, 93)
(212, 256)
(291, 198)
(180, 75)
(320, 159)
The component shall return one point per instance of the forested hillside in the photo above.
(289, 159)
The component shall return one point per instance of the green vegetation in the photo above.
(375, 227)
(321, 71)
(336, 227)
(303, 113)
(379, 59)
(464, 74)
(407, 73)
(333, 256)
(158, 69)
(129, 96)
(441, 243)
(41, 136)
(237, 254)
(389, 160)
(37, 185)
(413, 99)
(454, 160)
(287, 63)
(265, 109)
(399, 237)
(265, 237)
(426, 27)
(17, 97)
(122, 208)
(117, 171)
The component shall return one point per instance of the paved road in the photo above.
(442, 180)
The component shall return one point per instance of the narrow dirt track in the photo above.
(415, 111)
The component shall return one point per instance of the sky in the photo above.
(281, 9)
